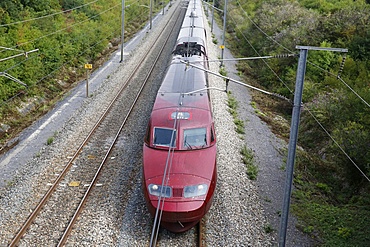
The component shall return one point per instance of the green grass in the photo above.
(337, 226)
(50, 140)
(268, 228)
(223, 71)
(232, 103)
(90, 45)
(239, 126)
(323, 214)
(214, 39)
(331, 207)
(248, 160)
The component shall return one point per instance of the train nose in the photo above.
(180, 217)
(181, 211)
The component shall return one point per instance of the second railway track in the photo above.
(53, 218)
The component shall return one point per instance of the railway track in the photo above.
(200, 232)
(196, 234)
(88, 161)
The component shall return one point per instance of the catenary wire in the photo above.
(337, 76)
(50, 15)
(255, 24)
(281, 80)
(18, 45)
(44, 36)
(341, 80)
(19, 63)
(33, 57)
(62, 29)
(287, 49)
(55, 33)
(80, 54)
(55, 70)
(337, 144)
(166, 175)
(279, 96)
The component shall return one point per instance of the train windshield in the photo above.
(195, 138)
(163, 137)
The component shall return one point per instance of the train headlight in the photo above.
(158, 190)
(180, 115)
(195, 190)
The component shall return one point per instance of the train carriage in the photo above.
(179, 151)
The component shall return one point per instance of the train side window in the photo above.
(147, 135)
(212, 135)
(163, 137)
(195, 138)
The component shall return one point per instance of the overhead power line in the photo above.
(334, 75)
(6, 75)
(339, 78)
(294, 125)
(287, 49)
(338, 145)
(24, 53)
(62, 29)
(263, 60)
(254, 58)
(50, 15)
(236, 81)
(264, 33)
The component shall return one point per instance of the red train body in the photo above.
(179, 151)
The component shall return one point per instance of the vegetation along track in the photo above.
(52, 220)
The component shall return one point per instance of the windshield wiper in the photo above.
(188, 145)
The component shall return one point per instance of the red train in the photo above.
(179, 151)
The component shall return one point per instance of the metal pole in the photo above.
(122, 28)
(223, 36)
(293, 143)
(213, 13)
(294, 133)
(87, 83)
(150, 14)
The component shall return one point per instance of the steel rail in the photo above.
(46, 197)
(200, 233)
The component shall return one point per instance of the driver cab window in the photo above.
(163, 137)
(195, 138)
